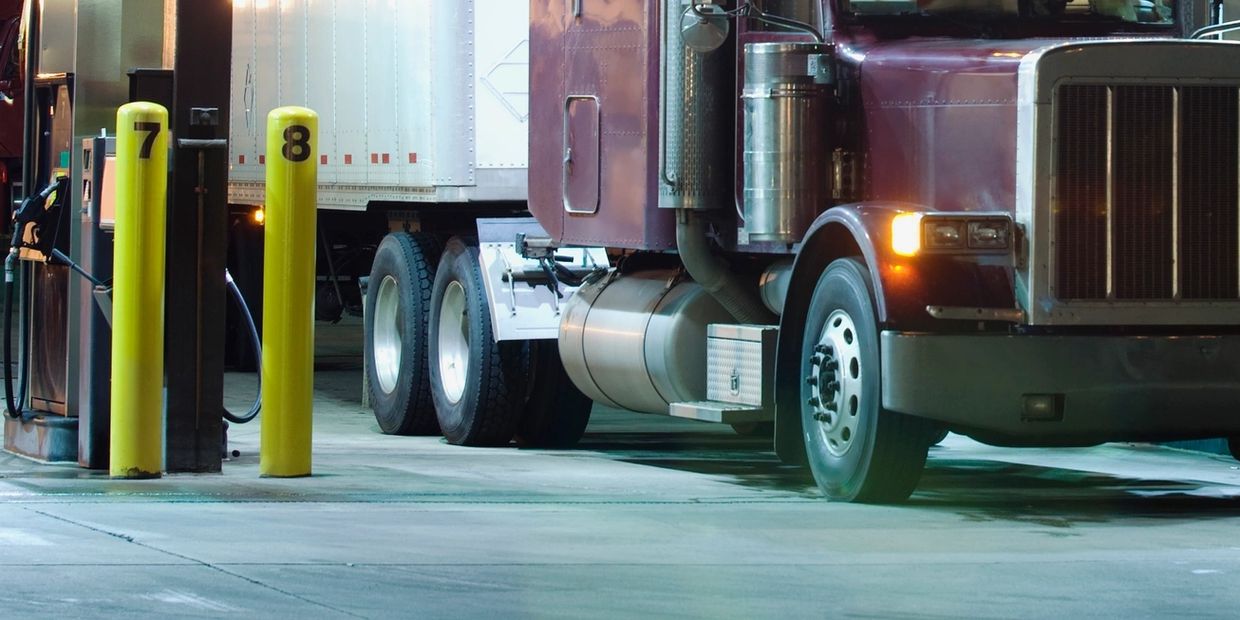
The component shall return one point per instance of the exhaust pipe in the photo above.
(714, 274)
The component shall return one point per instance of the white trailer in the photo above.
(424, 109)
(420, 101)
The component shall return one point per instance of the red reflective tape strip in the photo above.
(387, 159)
(374, 158)
(262, 159)
(348, 160)
(413, 158)
(241, 159)
(322, 160)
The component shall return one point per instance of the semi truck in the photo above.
(860, 223)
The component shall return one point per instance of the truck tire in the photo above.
(478, 385)
(857, 451)
(556, 413)
(398, 308)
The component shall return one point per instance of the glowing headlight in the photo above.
(951, 233)
(906, 234)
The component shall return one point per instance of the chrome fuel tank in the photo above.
(638, 342)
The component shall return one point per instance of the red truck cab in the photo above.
(1015, 219)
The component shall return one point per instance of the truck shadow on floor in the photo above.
(746, 461)
(978, 490)
(982, 490)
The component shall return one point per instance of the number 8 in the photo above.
(297, 143)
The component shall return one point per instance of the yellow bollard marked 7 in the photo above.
(137, 435)
(288, 292)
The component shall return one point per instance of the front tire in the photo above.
(397, 311)
(477, 384)
(857, 451)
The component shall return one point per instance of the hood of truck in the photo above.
(939, 118)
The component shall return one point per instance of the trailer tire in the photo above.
(556, 413)
(478, 385)
(398, 305)
(857, 451)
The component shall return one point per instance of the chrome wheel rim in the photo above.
(835, 381)
(453, 342)
(387, 342)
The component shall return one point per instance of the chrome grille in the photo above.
(1147, 192)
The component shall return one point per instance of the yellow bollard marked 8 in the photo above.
(137, 437)
(288, 292)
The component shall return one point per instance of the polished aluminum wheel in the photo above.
(453, 342)
(835, 382)
(387, 338)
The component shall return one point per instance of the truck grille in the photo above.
(1147, 192)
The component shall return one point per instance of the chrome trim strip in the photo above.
(1110, 204)
(1176, 258)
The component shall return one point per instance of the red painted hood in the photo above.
(939, 119)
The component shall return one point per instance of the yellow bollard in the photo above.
(137, 443)
(288, 292)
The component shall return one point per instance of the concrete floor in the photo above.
(651, 517)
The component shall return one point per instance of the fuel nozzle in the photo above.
(33, 207)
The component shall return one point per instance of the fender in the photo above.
(839, 232)
(903, 287)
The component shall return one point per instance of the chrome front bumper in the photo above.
(1067, 389)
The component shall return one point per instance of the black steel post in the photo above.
(197, 236)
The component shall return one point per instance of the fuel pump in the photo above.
(60, 341)
(37, 275)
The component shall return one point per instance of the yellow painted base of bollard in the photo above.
(134, 473)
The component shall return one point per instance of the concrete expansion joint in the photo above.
(130, 539)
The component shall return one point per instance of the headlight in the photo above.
(943, 235)
(990, 235)
(951, 233)
(906, 234)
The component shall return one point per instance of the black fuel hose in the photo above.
(11, 399)
(258, 352)
(29, 211)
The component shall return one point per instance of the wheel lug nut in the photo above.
(832, 366)
(833, 386)
(814, 402)
(812, 380)
(830, 406)
(823, 348)
(822, 417)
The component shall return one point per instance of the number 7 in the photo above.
(152, 130)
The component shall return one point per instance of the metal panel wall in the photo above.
(453, 62)
(320, 80)
(410, 94)
(413, 92)
(501, 83)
